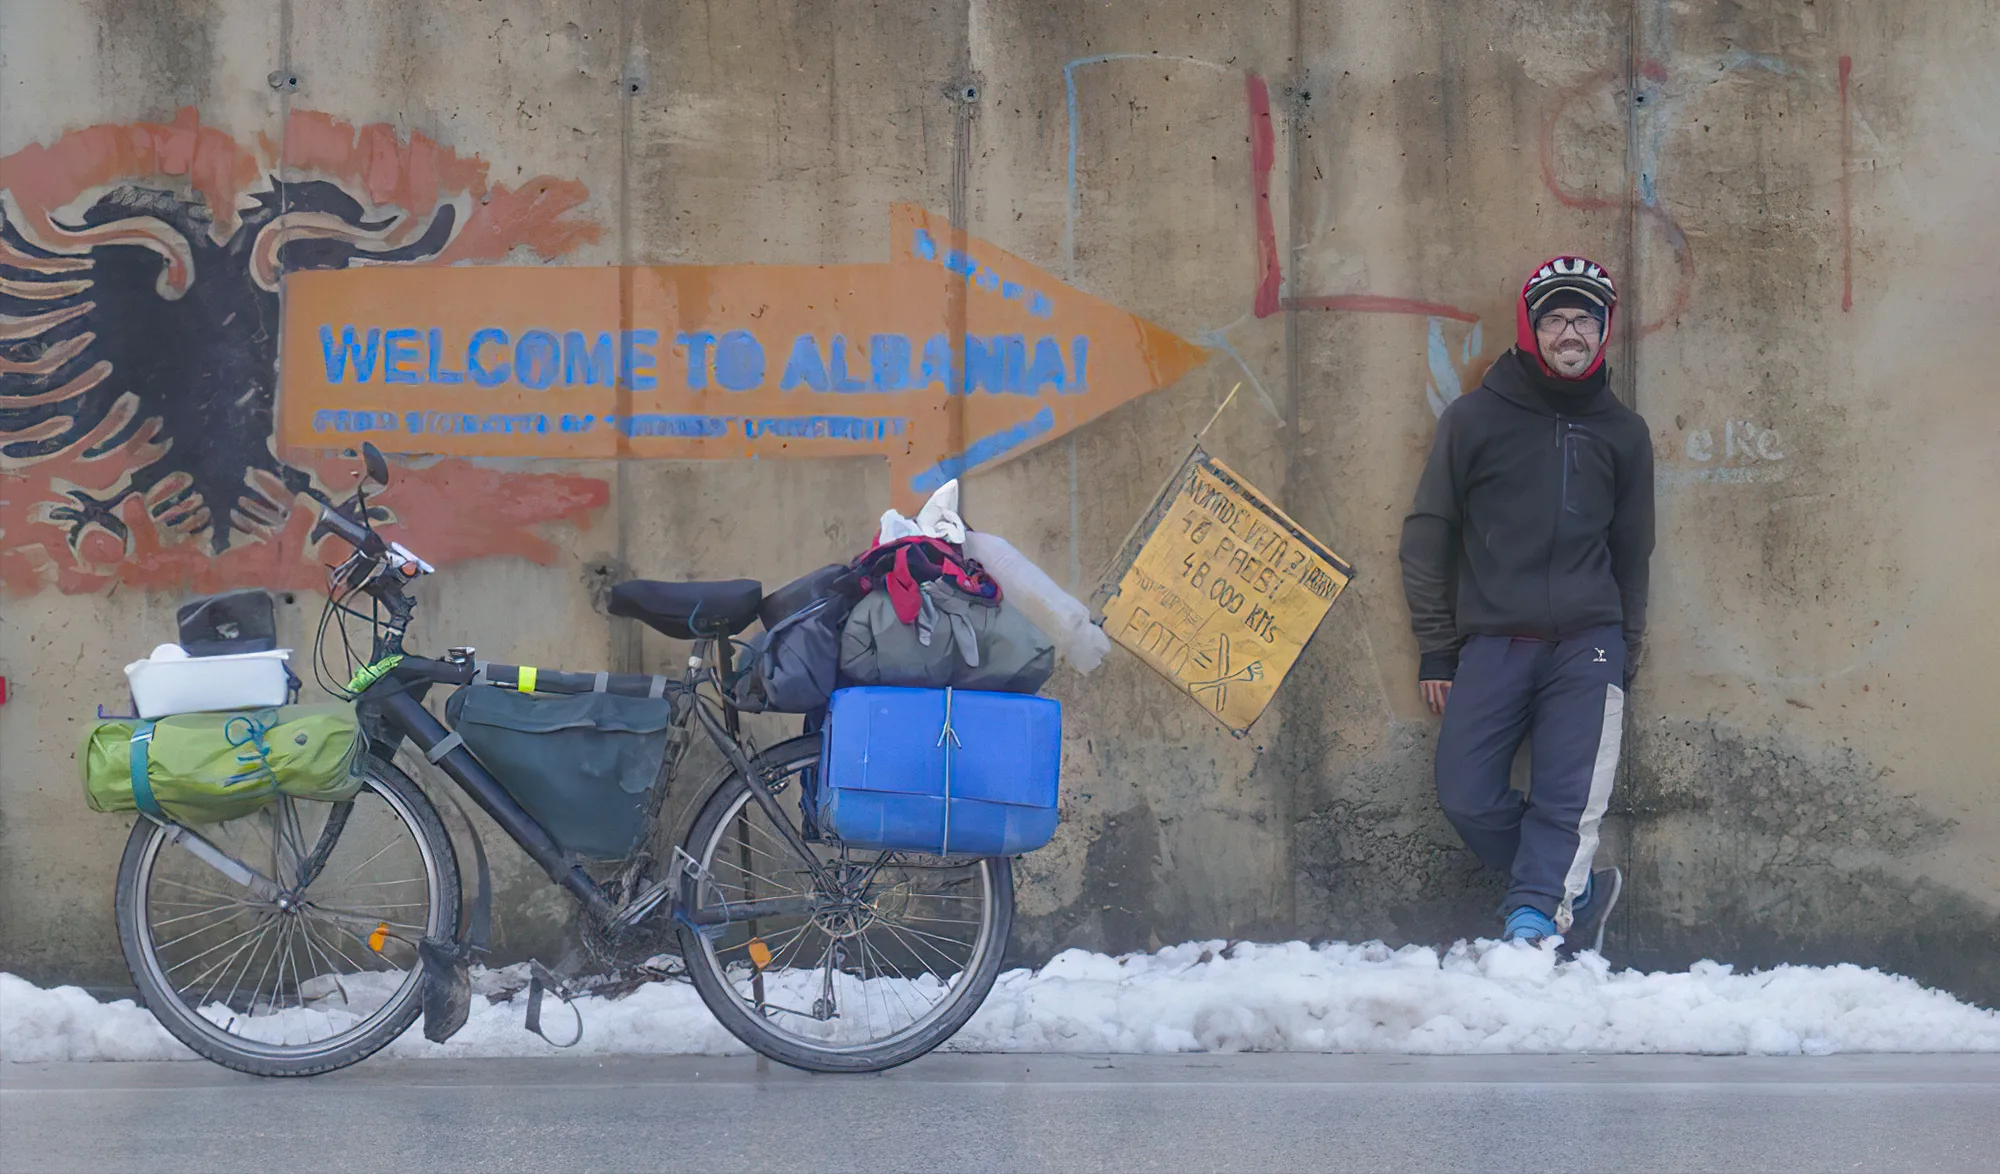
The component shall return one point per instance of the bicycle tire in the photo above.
(789, 758)
(339, 1051)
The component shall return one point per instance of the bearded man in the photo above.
(1525, 563)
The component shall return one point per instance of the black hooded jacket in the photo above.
(1534, 516)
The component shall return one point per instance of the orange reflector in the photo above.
(380, 935)
(760, 954)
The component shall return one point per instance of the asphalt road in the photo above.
(1019, 1113)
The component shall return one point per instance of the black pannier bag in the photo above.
(235, 621)
(582, 765)
(793, 666)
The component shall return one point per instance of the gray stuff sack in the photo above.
(958, 642)
(581, 764)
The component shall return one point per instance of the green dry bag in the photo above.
(209, 767)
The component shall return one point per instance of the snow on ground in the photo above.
(1478, 997)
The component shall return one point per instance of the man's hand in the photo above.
(1435, 693)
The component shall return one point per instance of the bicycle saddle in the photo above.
(689, 611)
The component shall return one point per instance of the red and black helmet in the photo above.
(1575, 281)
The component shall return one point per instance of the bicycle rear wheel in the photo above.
(899, 950)
(310, 983)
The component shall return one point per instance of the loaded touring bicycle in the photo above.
(295, 917)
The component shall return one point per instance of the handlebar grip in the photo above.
(333, 522)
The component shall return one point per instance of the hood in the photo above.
(1521, 380)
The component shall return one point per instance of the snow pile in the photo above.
(1478, 997)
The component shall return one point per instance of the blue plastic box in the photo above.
(893, 777)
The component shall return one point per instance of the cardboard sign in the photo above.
(1219, 591)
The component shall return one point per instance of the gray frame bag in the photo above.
(582, 765)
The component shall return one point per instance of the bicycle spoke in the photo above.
(217, 968)
(918, 954)
(934, 937)
(365, 863)
(325, 910)
(891, 987)
(181, 884)
(334, 944)
(207, 952)
(222, 973)
(797, 942)
(867, 1012)
(321, 957)
(278, 987)
(411, 880)
(774, 943)
(230, 1001)
(195, 933)
(206, 911)
(915, 986)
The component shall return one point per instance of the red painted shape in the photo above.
(1263, 154)
(1655, 72)
(1846, 191)
(449, 510)
(1381, 304)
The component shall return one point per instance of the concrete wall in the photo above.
(1794, 195)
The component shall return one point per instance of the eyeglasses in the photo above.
(1587, 326)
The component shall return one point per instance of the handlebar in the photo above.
(334, 523)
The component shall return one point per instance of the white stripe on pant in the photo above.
(1601, 775)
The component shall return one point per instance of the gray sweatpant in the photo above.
(1568, 697)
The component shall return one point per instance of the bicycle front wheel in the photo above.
(897, 953)
(321, 976)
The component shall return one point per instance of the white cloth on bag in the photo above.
(938, 519)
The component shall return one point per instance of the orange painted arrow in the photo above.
(953, 355)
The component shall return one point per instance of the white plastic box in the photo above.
(170, 681)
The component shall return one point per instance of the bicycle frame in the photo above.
(395, 702)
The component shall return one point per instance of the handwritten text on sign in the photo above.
(1223, 593)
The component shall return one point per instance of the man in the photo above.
(1524, 561)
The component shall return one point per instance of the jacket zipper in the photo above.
(1555, 527)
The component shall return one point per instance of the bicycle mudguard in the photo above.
(447, 964)
(447, 987)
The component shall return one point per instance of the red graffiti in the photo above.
(1651, 71)
(1263, 154)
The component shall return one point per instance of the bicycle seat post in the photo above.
(724, 666)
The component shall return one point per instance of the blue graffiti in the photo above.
(865, 428)
(735, 360)
(537, 360)
(473, 424)
(342, 420)
(980, 274)
(986, 448)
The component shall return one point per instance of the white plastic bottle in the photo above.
(1061, 616)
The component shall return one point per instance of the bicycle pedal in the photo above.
(447, 987)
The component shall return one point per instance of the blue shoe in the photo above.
(1590, 912)
(1528, 924)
